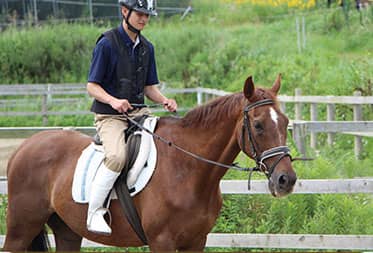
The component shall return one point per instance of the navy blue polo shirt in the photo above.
(104, 60)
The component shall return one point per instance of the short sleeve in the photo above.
(100, 61)
(152, 77)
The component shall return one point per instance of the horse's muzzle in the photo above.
(282, 183)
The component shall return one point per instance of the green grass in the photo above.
(3, 205)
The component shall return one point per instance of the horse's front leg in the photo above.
(197, 244)
(162, 242)
(168, 243)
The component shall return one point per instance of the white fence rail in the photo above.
(330, 125)
(50, 94)
(301, 129)
(275, 241)
(310, 186)
(280, 241)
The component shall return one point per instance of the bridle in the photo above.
(280, 151)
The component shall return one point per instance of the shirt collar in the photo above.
(127, 40)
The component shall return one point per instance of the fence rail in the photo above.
(277, 241)
(287, 241)
(309, 186)
(358, 128)
(304, 129)
(50, 94)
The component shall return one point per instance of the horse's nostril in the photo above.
(283, 180)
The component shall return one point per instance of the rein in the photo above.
(171, 144)
(281, 151)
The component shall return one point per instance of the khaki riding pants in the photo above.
(111, 128)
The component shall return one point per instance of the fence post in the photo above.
(24, 8)
(44, 108)
(35, 12)
(283, 107)
(298, 34)
(187, 10)
(358, 112)
(199, 97)
(6, 6)
(299, 136)
(298, 105)
(304, 32)
(299, 131)
(313, 140)
(90, 11)
(207, 97)
(330, 116)
(55, 8)
(49, 92)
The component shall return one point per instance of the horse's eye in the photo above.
(258, 127)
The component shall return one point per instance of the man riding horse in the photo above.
(123, 70)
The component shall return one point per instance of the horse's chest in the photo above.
(190, 223)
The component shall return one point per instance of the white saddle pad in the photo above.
(138, 176)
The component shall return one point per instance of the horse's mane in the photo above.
(214, 111)
(221, 108)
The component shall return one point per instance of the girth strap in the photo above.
(129, 208)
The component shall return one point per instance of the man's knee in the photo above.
(115, 162)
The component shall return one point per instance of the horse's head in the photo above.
(263, 137)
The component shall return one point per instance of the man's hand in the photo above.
(170, 105)
(121, 105)
(153, 93)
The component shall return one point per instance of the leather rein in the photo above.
(280, 151)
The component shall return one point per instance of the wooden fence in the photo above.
(285, 241)
(76, 94)
(359, 127)
(38, 100)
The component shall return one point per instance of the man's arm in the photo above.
(96, 91)
(154, 94)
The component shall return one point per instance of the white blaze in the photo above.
(274, 115)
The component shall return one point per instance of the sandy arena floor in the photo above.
(7, 147)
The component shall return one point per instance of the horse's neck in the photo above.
(216, 142)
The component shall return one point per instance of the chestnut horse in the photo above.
(182, 201)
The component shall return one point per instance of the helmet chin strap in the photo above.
(131, 27)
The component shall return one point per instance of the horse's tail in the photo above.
(40, 242)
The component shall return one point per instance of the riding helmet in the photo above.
(143, 6)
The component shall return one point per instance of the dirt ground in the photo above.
(7, 147)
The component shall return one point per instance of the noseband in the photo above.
(280, 151)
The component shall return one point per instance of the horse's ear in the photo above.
(249, 88)
(277, 84)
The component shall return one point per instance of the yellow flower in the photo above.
(290, 3)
